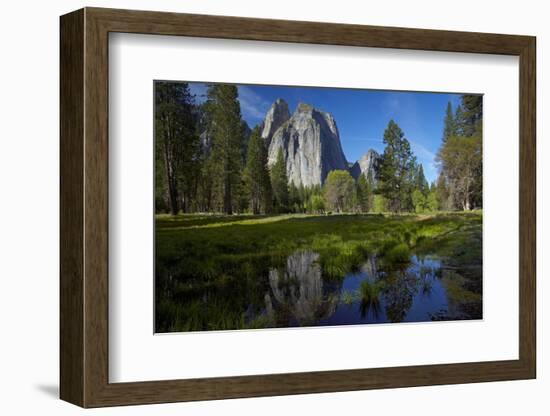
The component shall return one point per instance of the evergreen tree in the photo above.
(442, 193)
(295, 197)
(432, 202)
(420, 181)
(471, 116)
(477, 186)
(227, 138)
(279, 182)
(459, 121)
(397, 169)
(362, 195)
(419, 201)
(339, 190)
(257, 180)
(449, 123)
(473, 126)
(379, 204)
(177, 143)
(365, 192)
(460, 157)
(370, 190)
(245, 134)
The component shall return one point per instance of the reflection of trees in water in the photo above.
(425, 277)
(370, 267)
(297, 293)
(398, 291)
(257, 294)
(393, 288)
(462, 302)
(370, 298)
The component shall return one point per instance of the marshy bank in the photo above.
(237, 272)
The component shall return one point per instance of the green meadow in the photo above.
(219, 272)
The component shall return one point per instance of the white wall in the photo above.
(29, 208)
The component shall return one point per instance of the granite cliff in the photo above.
(308, 139)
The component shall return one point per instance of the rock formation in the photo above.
(275, 117)
(309, 141)
(367, 164)
(297, 291)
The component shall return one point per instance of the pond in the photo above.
(297, 292)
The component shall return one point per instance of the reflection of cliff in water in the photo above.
(297, 294)
(294, 291)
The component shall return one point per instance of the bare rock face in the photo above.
(275, 117)
(310, 143)
(367, 164)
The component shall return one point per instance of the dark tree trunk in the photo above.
(173, 193)
(227, 208)
(171, 177)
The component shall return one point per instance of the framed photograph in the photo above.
(256, 207)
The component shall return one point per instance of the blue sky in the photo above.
(361, 115)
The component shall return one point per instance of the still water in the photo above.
(369, 295)
(296, 294)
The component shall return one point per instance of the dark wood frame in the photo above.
(84, 209)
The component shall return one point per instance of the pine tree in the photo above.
(473, 126)
(448, 123)
(177, 143)
(279, 182)
(295, 197)
(362, 195)
(460, 158)
(420, 181)
(339, 190)
(365, 192)
(257, 180)
(471, 116)
(397, 169)
(432, 201)
(419, 201)
(444, 200)
(245, 133)
(370, 191)
(227, 138)
(459, 121)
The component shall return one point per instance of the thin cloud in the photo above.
(392, 104)
(421, 150)
(252, 105)
(427, 158)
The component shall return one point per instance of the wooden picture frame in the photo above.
(84, 207)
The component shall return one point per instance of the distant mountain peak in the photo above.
(368, 163)
(276, 115)
(304, 108)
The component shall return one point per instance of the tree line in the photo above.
(208, 160)
(460, 181)
(401, 185)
